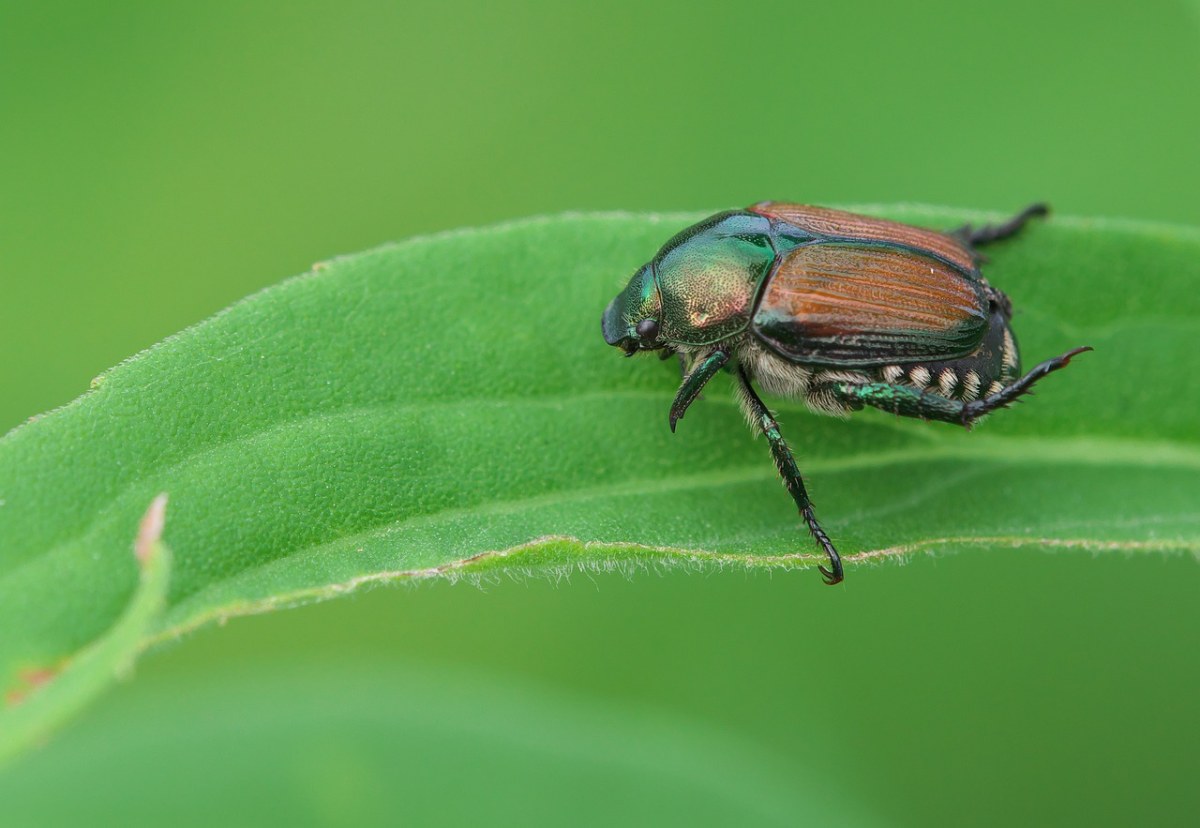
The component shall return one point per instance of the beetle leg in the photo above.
(996, 232)
(705, 370)
(758, 413)
(680, 356)
(683, 364)
(908, 401)
(904, 400)
(1003, 398)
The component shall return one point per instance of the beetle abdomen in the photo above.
(832, 303)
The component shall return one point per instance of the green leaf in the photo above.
(49, 697)
(326, 743)
(446, 406)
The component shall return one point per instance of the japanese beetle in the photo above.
(836, 309)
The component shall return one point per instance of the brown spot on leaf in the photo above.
(28, 680)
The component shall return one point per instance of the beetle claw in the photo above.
(831, 578)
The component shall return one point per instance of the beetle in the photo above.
(833, 308)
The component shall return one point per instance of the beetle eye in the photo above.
(647, 331)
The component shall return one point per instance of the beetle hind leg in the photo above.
(909, 401)
(1009, 394)
(988, 233)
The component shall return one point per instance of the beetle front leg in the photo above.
(758, 413)
(694, 382)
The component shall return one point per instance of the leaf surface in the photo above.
(446, 406)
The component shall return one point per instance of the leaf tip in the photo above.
(150, 530)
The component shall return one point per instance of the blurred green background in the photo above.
(162, 160)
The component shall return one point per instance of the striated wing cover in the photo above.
(838, 224)
(833, 303)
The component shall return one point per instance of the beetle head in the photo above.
(632, 320)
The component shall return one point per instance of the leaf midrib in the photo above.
(1130, 453)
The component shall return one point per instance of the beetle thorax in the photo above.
(709, 276)
(704, 306)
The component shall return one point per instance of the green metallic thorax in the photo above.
(703, 284)
(709, 275)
